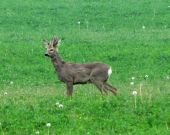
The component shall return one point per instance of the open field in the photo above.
(131, 36)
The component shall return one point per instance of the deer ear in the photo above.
(45, 42)
(59, 42)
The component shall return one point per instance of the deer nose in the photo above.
(46, 54)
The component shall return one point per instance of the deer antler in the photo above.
(55, 41)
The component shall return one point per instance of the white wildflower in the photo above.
(57, 103)
(5, 93)
(60, 106)
(37, 132)
(48, 125)
(143, 27)
(146, 76)
(11, 82)
(133, 78)
(167, 77)
(134, 93)
(78, 22)
(131, 83)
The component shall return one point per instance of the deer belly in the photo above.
(81, 78)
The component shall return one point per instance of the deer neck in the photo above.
(57, 62)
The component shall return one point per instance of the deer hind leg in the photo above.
(110, 88)
(104, 89)
(100, 86)
(69, 88)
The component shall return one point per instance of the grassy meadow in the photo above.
(131, 36)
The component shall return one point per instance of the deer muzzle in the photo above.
(46, 54)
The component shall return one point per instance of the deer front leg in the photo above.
(69, 88)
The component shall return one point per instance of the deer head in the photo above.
(52, 47)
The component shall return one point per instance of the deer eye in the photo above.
(51, 50)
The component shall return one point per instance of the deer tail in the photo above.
(109, 72)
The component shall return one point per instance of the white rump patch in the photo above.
(109, 71)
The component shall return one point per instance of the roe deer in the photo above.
(73, 73)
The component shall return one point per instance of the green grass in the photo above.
(110, 31)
